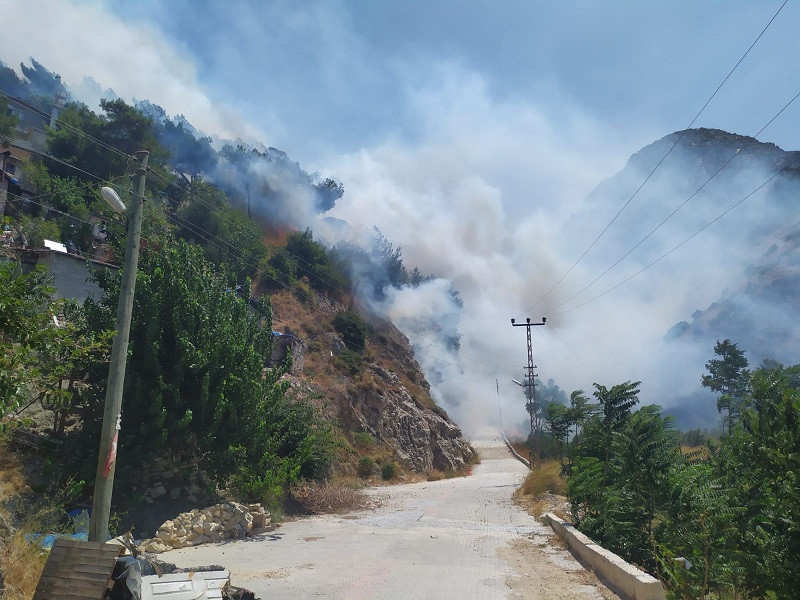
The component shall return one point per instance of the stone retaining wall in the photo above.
(176, 475)
(225, 521)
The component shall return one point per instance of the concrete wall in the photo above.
(281, 344)
(70, 273)
(626, 578)
(524, 461)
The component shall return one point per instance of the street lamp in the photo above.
(109, 436)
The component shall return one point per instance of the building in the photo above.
(71, 274)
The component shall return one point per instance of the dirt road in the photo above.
(459, 538)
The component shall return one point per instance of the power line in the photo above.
(695, 234)
(60, 161)
(663, 158)
(20, 102)
(205, 235)
(680, 206)
(336, 282)
(50, 208)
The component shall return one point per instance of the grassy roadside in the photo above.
(544, 490)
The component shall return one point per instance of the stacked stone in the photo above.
(176, 475)
(226, 521)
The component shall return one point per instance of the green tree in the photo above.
(557, 423)
(315, 262)
(758, 466)
(352, 329)
(42, 359)
(195, 375)
(618, 486)
(580, 410)
(122, 131)
(227, 236)
(729, 376)
(24, 330)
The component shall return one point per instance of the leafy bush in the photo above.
(352, 328)
(349, 362)
(315, 262)
(366, 466)
(38, 230)
(363, 439)
(302, 291)
(388, 471)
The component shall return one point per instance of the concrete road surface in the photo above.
(458, 538)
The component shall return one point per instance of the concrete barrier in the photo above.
(524, 461)
(627, 579)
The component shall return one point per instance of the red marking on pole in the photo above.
(112, 455)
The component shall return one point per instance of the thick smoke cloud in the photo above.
(490, 190)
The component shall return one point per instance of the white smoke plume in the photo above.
(483, 184)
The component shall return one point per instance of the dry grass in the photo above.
(698, 451)
(545, 477)
(329, 498)
(21, 563)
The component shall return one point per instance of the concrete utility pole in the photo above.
(531, 389)
(107, 457)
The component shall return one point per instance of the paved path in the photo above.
(436, 540)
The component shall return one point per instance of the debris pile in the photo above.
(229, 520)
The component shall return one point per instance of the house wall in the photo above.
(70, 273)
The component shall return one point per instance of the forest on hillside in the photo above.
(198, 339)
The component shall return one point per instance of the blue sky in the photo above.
(469, 132)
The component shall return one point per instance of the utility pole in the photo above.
(499, 408)
(247, 187)
(107, 456)
(531, 389)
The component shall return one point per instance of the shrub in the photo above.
(545, 477)
(352, 329)
(363, 439)
(350, 362)
(302, 291)
(366, 466)
(388, 471)
(315, 347)
(328, 498)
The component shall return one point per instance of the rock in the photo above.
(422, 438)
(155, 546)
(175, 493)
(260, 520)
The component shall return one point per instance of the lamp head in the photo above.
(112, 199)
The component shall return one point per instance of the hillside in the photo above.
(382, 393)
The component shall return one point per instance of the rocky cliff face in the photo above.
(423, 438)
(381, 392)
(748, 192)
